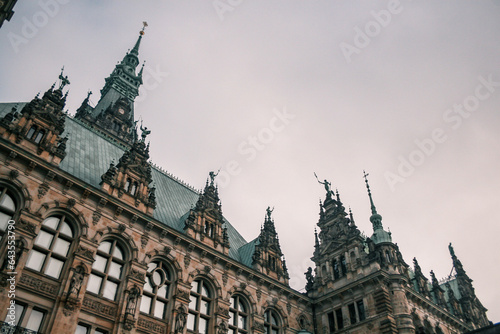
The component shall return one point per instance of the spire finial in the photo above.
(64, 80)
(351, 217)
(144, 25)
(374, 209)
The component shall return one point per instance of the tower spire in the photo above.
(373, 208)
(379, 234)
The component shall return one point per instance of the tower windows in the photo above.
(31, 132)
(52, 246)
(238, 315)
(343, 265)
(336, 269)
(107, 270)
(200, 307)
(133, 189)
(35, 134)
(39, 136)
(272, 323)
(156, 290)
(209, 229)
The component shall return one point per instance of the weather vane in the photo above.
(144, 25)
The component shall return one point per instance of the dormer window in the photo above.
(31, 132)
(209, 229)
(39, 136)
(127, 185)
(133, 189)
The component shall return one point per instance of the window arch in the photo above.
(8, 208)
(272, 322)
(52, 246)
(156, 291)
(200, 307)
(107, 269)
(238, 315)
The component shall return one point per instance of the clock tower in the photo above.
(114, 113)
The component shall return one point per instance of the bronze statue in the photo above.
(269, 212)
(327, 185)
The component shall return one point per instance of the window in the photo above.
(39, 136)
(31, 132)
(339, 318)
(52, 246)
(336, 269)
(352, 313)
(133, 190)
(361, 310)
(238, 315)
(24, 319)
(271, 322)
(156, 290)
(200, 305)
(127, 185)
(331, 322)
(87, 329)
(209, 229)
(107, 270)
(7, 210)
(343, 265)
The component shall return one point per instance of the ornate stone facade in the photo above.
(106, 243)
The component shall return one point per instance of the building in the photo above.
(97, 240)
(6, 10)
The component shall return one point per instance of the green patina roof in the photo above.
(88, 157)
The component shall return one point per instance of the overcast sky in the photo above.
(272, 91)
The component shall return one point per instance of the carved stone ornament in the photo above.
(13, 174)
(70, 305)
(137, 275)
(187, 260)
(42, 190)
(96, 216)
(85, 252)
(181, 294)
(222, 328)
(71, 203)
(26, 226)
(258, 327)
(144, 241)
(225, 277)
(180, 320)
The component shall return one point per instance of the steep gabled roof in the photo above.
(89, 154)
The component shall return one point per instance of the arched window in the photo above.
(7, 210)
(200, 307)
(272, 323)
(238, 315)
(52, 246)
(107, 270)
(156, 290)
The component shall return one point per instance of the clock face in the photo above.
(121, 111)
